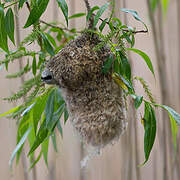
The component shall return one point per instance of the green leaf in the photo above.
(9, 25)
(47, 45)
(60, 128)
(10, 111)
(66, 115)
(51, 39)
(116, 21)
(36, 161)
(34, 69)
(44, 149)
(138, 101)
(36, 12)
(165, 4)
(56, 117)
(101, 27)
(53, 137)
(91, 12)
(99, 14)
(154, 4)
(3, 34)
(174, 119)
(22, 128)
(134, 14)
(21, 142)
(77, 15)
(174, 130)
(150, 130)
(132, 40)
(172, 112)
(127, 37)
(39, 108)
(21, 3)
(49, 109)
(145, 57)
(126, 68)
(41, 136)
(107, 64)
(62, 4)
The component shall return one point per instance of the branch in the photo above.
(13, 3)
(54, 26)
(91, 19)
(126, 30)
(135, 32)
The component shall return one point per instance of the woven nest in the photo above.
(94, 101)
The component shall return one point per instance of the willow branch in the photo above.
(58, 27)
(126, 30)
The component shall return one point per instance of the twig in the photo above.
(126, 30)
(54, 26)
(91, 19)
(11, 4)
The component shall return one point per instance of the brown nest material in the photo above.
(94, 101)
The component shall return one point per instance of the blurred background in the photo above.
(119, 161)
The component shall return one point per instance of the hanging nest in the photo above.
(95, 102)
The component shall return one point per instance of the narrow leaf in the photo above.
(132, 12)
(36, 161)
(53, 137)
(49, 109)
(51, 39)
(9, 25)
(135, 15)
(3, 34)
(99, 14)
(56, 117)
(44, 149)
(21, 142)
(107, 64)
(150, 130)
(66, 115)
(21, 3)
(172, 112)
(154, 4)
(174, 130)
(174, 119)
(101, 27)
(60, 128)
(47, 45)
(62, 4)
(77, 15)
(39, 109)
(41, 136)
(10, 111)
(91, 12)
(122, 82)
(138, 101)
(34, 69)
(126, 68)
(165, 4)
(36, 12)
(145, 57)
